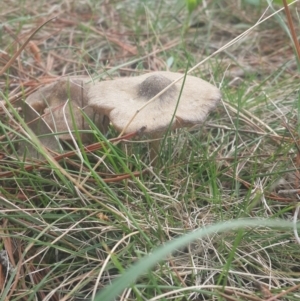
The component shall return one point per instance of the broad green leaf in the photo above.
(129, 277)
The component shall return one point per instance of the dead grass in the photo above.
(59, 222)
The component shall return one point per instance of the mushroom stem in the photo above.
(154, 147)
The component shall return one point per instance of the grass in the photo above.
(71, 227)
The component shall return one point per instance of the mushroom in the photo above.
(50, 104)
(185, 103)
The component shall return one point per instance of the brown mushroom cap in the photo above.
(121, 98)
(49, 102)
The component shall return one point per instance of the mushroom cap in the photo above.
(121, 98)
(49, 102)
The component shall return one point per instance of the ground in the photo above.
(72, 225)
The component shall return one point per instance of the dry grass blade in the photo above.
(18, 52)
(57, 157)
(285, 292)
(292, 28)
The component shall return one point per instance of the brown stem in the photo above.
(155, 147)
(291, 26)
